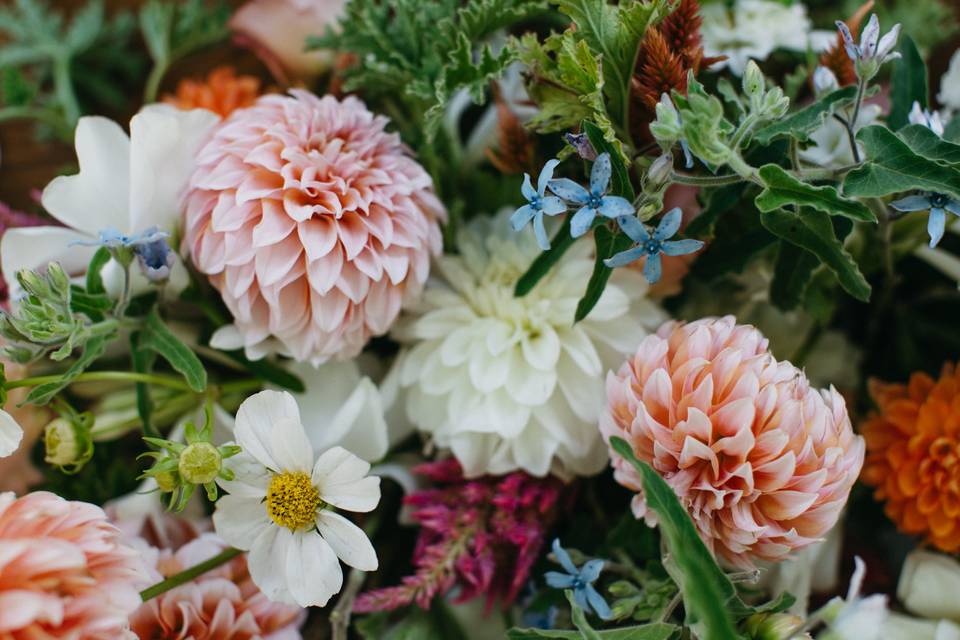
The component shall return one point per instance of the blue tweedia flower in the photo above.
(593, 201)
(652, 245)
(155, 259)
(539, 205)
(112, 238)
(580, 581)
(938, 204)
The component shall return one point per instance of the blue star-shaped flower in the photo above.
(580, 581)
(653, 245)
(593, 201)
(112, 238)
(540, 204)
(938, 204)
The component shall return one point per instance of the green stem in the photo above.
(64, 90)
(46, 116)
(104, 376)
(239, 386)
(152, 86)
(705, 181)
(186, 576)
(743, 131)
(851, 124)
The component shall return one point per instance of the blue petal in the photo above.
(953, 207)
(614, 206)
(546, 175)
(936, 225)
(687, 156)
(600, 174)
(552, 205)
(542, 240)
(625, 257)
(563, 557)
(580, 598)
(652, 270)
(527, 188)
(634, 229)
(681, 247)
(912, 203)
(598, 603)
(559, 580)
(581, 222)
(669, 224)
(569, 190)
(590, 571)
(521, 217)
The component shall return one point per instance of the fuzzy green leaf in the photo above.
(97, 263)
(93, 349)
(924, 142)
(157, 337)
(791, 275)
(545, 261)
(813, 231)
(620, 178)
(893, 167)
(909, 83)
(707, 592)
(608, 243)
(781, 189)
(801, 124)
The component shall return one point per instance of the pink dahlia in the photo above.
(64, 573)
(314, 223)
(763, 463)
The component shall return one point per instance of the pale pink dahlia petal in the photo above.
(313, 222)
(763, 463)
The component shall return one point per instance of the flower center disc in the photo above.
(292, 500)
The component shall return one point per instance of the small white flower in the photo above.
(929, 119)
(10, 434)
(855, 617)
(929, 583)
(282, 502)
(824, 80)
(949, 95)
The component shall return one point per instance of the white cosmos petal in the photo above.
(163, 144)
(266, 560)
(10, 434)
(97, 197)
(290, 447)
(250, 478)
(313, 573)
(255, 421)
(35, 247)
(348, 540)
(342, 480)
(240, 520)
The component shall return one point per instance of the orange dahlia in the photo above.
(222, 92)
(913, 455)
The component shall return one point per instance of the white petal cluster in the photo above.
(510, 382)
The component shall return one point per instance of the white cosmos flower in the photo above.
(10, 434)
(282, 502)
(510, 382)
(127, 183)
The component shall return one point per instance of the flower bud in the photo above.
(167, 481)
(753, 82)
(200, 463)
(68, 444)
(59, 281)
(929, 583)
(659, 173)
(824, 80)
(772, 626)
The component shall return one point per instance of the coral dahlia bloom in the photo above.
(313, 222)
(64, 573)
(222, 92)
(913, 455)
(762, 462)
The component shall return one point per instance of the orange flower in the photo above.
(222, 92)
(913, 455)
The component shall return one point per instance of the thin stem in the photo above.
(153, 81)
(340, 616)
(705, 181)
(125, 294)
(186, 576)
(64, 89)
(104, 376)
(239, 386)
(743, 131)
(674, 603)
(851, 124)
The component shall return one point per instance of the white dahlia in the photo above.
(510, 382)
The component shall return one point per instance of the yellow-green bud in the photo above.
(200, 463)
(753, 81)
(166, 481)
(771, 626)
(65, 444)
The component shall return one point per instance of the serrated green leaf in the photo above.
(654, 631)
(924, 142)
(608, 243)
(620, 177)
(545, 261)
(93, 349)
(781, 189)
(708, 594)
(813, 231)
(791, 275)
(909, 83)
(157, 337)
(893, 167)
(802, 123)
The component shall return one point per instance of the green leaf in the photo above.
(142, 361)
(791, 275)
(707, 591)
(157, 337)
(813, 231)
(620, 178)
(801, 124)
(951, 132)
(909, 83)
(93, 349)
(436, 624)
(893, 167)
(924, 142)
(545, 261)
(97, 263)
(579, 619)
(655, 631)
(781, 189)
(608, 243)
(268, 371)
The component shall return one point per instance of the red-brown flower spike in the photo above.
(659, 71)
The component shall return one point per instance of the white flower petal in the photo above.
(290, 447)
(240, 520)
(268, 555)
(10, 434)
(251, 478)
(342, 480)
(348, 541)
(97, 197)
(313, 573)
(255, 423)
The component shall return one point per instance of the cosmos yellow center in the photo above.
(292, 500)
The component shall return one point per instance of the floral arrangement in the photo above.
(475, 319)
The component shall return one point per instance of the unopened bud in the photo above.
(753, 82)
(824, 80)
(200, 463)
(67, 444)
(772, 626)
(659, 173)
(167, 481)
(59, 281)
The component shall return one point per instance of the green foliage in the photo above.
(927, 144)
(545, 261)
(909, 83)
(92, 349)
(620, 177)
(656, 631)
(894, 167)
(158, 338)
(802, 123)
(436, 624)
(782, 189)
(608, 243)
(791, 275)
